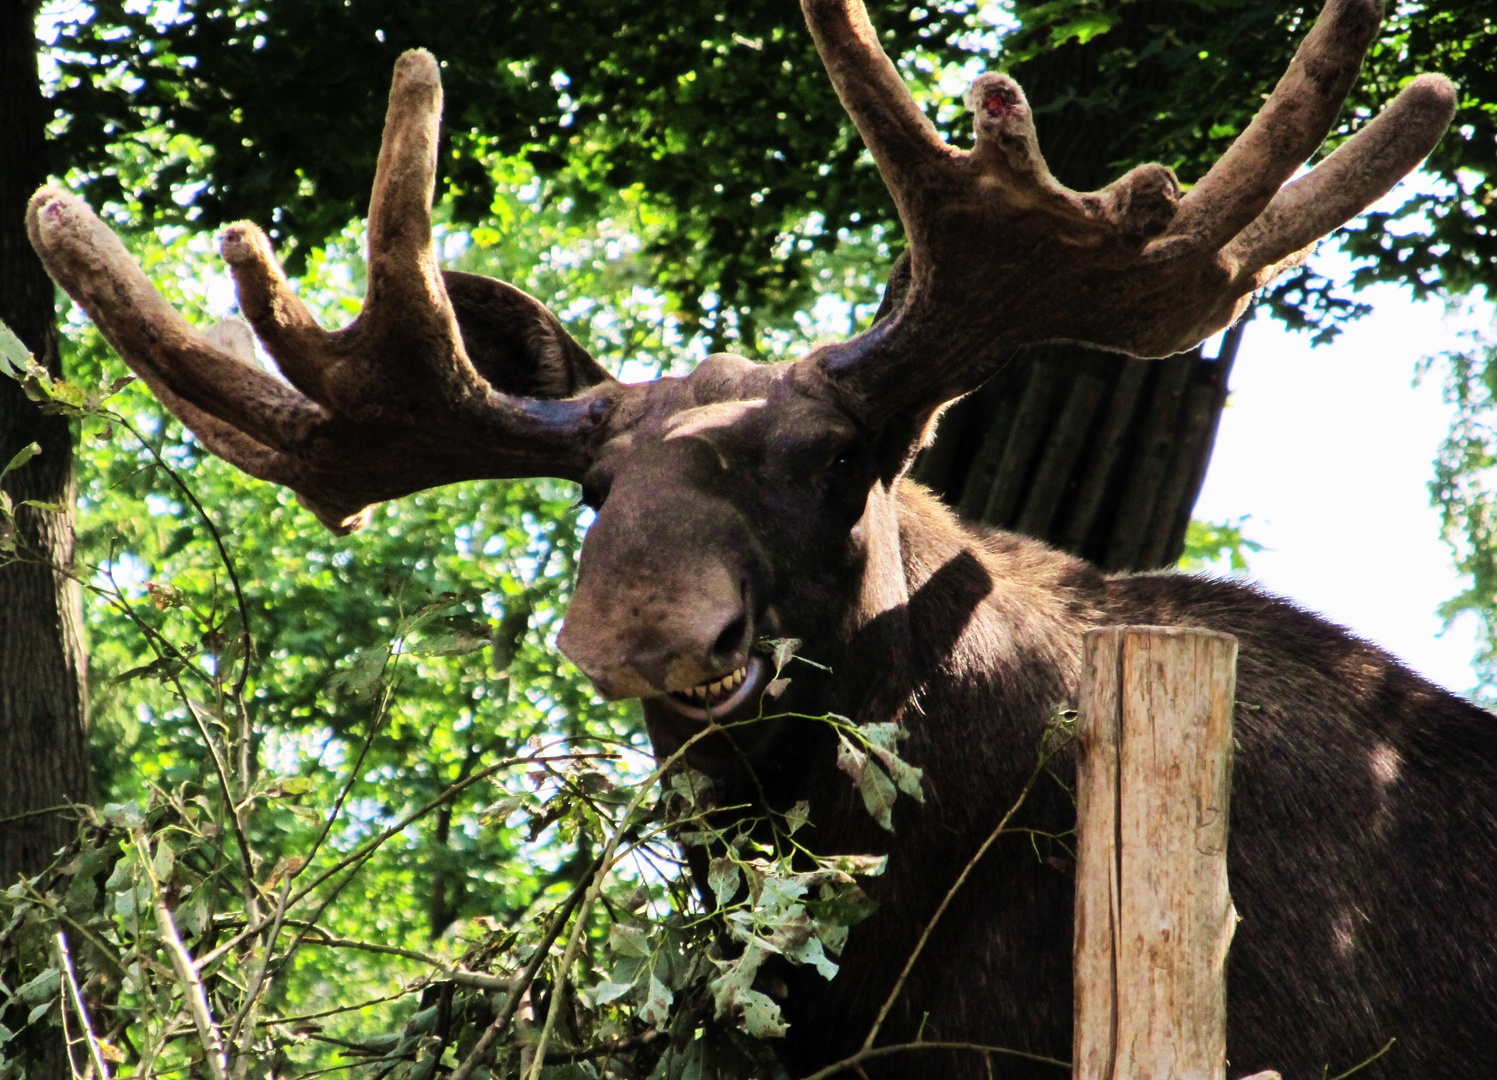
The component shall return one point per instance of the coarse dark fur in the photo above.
(1364, 813)
(1364, 827)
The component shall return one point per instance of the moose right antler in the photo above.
(390, 405)
(1000, 255)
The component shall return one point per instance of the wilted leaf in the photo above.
(657, 1007)
(810, 952)
(873, 783)
(123, 815)
(723, 879)
(882, 740)
(164, 596)
(761, 1016)
(797, 816)
(784, 652)
(499, 813)
(862, 865)
(734, 997)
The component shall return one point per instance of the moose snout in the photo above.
(639, 635)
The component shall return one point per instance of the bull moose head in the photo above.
(742, 501)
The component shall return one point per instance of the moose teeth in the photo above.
(714, 691)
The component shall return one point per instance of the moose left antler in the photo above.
(1000, 255)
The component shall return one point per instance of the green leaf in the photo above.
(628, 940)
(22, 456)
(15, 358)
(123, 815)
(607, 991)
(40, 989)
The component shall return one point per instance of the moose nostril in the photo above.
(731, 638)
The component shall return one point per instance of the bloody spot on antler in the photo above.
(1000, 99)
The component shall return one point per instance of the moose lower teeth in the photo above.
(709, 693)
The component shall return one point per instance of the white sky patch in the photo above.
(1329, 451)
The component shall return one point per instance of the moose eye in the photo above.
(844, 464)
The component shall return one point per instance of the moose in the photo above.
(746, 502)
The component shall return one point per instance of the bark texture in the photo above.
(43, 752)
(1153, 912)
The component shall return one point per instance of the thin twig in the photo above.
(197, 998)
(480, 1052)
(883, 1013)
(885, 1051)
(223, 552)
(353, 773)
(38, 813)
(77, 999)
(605, 864)
(368, 848)
(302, 1018)
(1358, 1068)
(245, 1019)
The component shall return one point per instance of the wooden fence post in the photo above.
(1153, 913)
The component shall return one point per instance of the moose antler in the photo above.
(1002, 255)
(389, 405)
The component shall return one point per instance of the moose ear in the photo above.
(515, 343)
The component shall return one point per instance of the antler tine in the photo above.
(1002, 255)
(405, 345)
(1362, 170)
(85, 257)
(903, 142)
(393, 402)
(1286, 131)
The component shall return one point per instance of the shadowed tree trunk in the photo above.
(43, 754)
(1096, 453)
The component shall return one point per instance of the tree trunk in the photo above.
(43, 749)
(43, 753)
(1098, 454)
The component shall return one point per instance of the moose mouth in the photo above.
(720, 697)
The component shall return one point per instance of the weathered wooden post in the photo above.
(1153, 913)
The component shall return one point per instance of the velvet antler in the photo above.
(389, 405)
(1002, 255)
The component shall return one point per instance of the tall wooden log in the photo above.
(1153, 913)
